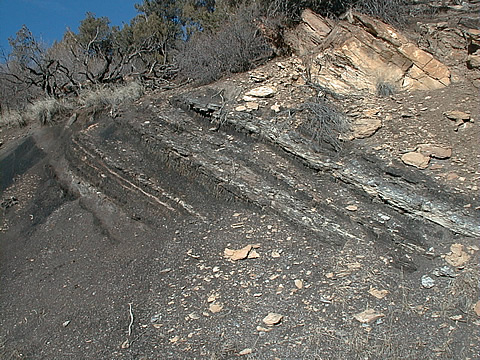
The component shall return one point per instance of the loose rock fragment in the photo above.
(435, 151)
(253, 255)
(416, 159)
(174, 339)
(379, 294)
(243, 253)
(272, 319)
(212, 298)
(444, 271)
(193, 316)
(476, 308)
(299, 283)
(252, 105)
(275, 254)
(352, 208)
(456, 317)
(261, 92)
(457, 115)
(457, 257)
(260, 328)
(364, 128)
(275, 107)
(258, 77)
(245, 352)
(215, 308)
(427, 282)
(368, 316)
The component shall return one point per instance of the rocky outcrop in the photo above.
(358, 55)
(400, 189)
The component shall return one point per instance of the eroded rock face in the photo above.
(351, 57)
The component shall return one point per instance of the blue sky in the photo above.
(48, 19)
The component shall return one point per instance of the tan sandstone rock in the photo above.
(435, 151)
(416, 159)
(351, 57)
(261, 92)
(365, 127)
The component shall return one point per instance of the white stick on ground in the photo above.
(131, 319)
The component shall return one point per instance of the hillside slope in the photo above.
(121, 229)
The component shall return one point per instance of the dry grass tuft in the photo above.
(12, 118)
(45, 111)
(111, 96)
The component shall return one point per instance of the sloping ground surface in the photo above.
(128, 262)
(117, 234)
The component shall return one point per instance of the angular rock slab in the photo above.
(435, 151)
(416, 159)
(364, 128)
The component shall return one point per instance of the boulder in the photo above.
(352, 57)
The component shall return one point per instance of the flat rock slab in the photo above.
(416, 159)
(364, 128)
(457, 115)
(262, 92)
(435, 151)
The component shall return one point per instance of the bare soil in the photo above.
(114, 230)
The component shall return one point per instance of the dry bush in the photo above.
(237, 46)
(323, 123)
(385, 88)
(394, 12)
(104, 96)
(43, 111)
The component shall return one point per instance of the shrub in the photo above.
(385, 89)
(391, 11)
(237, 46)
(323, 123)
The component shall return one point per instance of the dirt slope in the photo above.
(115, 231)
